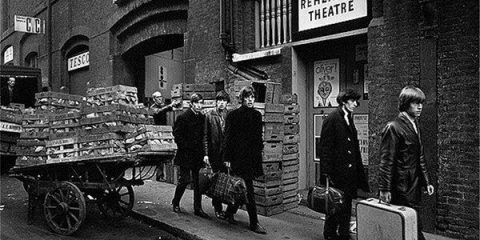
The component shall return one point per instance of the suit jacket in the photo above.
(402, 168)
(243, 144)
(340, 154)
(5, 96)
(160, 117)
(188, 133)
(214, 137)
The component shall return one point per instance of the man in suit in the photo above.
(213, 141)
(341, 160)
(243, 151)
(188, 131)
(8, 94)
(403, 170)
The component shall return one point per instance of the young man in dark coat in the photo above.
(213, 141)
(341, 161)
(188, 132)
(243, 150)
(403, 170)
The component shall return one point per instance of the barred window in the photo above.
(273, 22)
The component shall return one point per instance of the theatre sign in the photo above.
(320, 13)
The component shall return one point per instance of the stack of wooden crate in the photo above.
(151, 138)
(10, 129)
(118, 94)
(30, 152)
(64, 125)
(101, 146)
(290, 159)
(54, 101)
(62, 150)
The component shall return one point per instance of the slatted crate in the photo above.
(290, 148)
(118, 94)
(271, 167)
(110, 123)
(268, 197)
(273, 132)
(291, 119)
(101, 146)
(273, 118)
(9, 115)
(51, 101)
(30, 152)
(291, 109)
(30, 160)
(291, 129)
(35, 126)
(140, 115)
(289, 99)
(64, 125)
(62, 150)
(151, 138)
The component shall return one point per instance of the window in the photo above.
(32, 60)
(273, 22)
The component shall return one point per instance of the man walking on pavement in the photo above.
(160, 109)
(243, 151)
(342, 163)
(213, 140)
(403, 170)
(188, 132)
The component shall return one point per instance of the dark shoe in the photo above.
(201, 214)
(230, 219)
(258, 229)
(176, 208)
(220, 215)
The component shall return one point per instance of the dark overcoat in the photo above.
(188, 132)
(402, 168)
(340, 154)
(243, 143)
(214, 137)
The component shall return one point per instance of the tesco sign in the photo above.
(78, 61)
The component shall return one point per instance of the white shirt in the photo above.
(345, 116)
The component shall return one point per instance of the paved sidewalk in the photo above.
(152, 204)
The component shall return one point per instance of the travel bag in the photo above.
(228, 189)
(325, 199)
(382, 221)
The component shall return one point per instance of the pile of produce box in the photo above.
(151, 138)
(53, 101)
(10, 129)
(101, 146)
(118, 94)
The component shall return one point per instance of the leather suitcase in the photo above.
(382, 221)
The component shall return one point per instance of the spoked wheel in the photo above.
(117, 202)
(64, 208)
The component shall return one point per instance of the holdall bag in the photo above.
(325, 199)
(228, 189)
(205, 179)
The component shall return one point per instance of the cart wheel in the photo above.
(64, 208)
(117, 202)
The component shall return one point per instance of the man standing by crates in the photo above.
(342, 162)
(403, 170)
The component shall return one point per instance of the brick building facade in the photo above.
(427, 43)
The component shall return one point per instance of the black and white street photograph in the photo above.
(239, 120)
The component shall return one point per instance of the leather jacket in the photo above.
(402, 169)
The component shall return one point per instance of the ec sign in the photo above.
(29, 24)
(320, 13)
(79, 61)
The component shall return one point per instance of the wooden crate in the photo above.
(289, 98)
(268, 200)
(62, 150)
(274, 108)
(291, 139)
(290, 162)
(291, 109)
(27, 160)
(290, 203)
(290, 119)
(287, 157)
(271, 167)
(270, 177)
(268, 190)
(273, 92)
(271, 157)
(269, 210)
(273, 117)
(101, 146)
(290, 148)
(291, 129)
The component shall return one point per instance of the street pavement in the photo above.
(153, 204)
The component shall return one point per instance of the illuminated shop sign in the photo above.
(319, 13)
(79, 61)
(29, 24)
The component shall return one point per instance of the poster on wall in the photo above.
(326, 82)
(361, 123)
(317, 127)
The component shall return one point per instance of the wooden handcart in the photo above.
(63, 188)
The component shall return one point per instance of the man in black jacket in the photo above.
(188, 131)
(341, 161)
(403, 170)
(243, 151)
(213, 140)
(9, 92)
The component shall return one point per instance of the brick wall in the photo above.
(393, 41)
(458, 111)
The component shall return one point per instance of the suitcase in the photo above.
(382, 221)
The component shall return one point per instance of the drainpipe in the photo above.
(49, 42)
